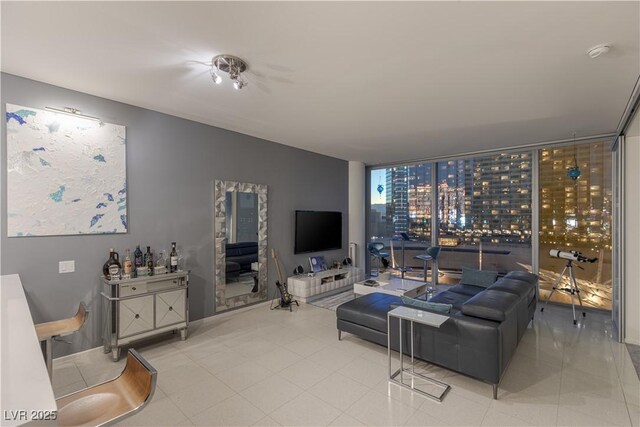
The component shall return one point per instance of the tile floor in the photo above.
(261, 367)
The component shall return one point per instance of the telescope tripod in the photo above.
(572, 290)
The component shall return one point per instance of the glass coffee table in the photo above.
(395, 286)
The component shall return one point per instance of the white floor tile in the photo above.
(401, 394)
(160, 413)
(568, 416)
(182, 377)
(201, 396)
(456, 410)
(332, 358)
(266, 422)
(222, 360)
(306, 373)
(278, 359)
(271, 393)
(420, 418)
(306, 410)
(65, 374)
(365, 372)
(605, 408)
(376, 409)
(305, 346)
(531, 410)
(60, 391)
(634, 414)
(252, 367)
(576, 382)
(244, 375)
(339, 391)
(345, 420)
(235, 411)
(494, 417)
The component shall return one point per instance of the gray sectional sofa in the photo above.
(480, 337)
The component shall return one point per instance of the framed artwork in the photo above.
(65, 175)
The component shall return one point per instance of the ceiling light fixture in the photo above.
(216, 77)
(232, 65)
(70, 111)
(599, 50)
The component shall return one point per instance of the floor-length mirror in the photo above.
(240, 213)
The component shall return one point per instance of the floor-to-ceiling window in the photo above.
(576, 215)
(482, 218)
(484, 212)
(401, 200)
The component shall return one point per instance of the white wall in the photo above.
(632, 232)
(357, 193)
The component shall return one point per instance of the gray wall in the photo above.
(171, 165)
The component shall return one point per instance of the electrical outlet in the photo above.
(66, 266)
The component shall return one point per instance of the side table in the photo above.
(413, 316)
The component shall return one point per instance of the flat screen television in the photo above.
(318, 231)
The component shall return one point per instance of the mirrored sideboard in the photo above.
(143, 307)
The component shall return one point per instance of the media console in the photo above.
(306, 288)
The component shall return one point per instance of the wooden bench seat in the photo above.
(58, 328)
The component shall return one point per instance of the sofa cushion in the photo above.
(513, 286)
(427, 305)
(368, 310)
(453, 298)
(490, 304)
(483, 278)
(468, 290)
(245, 259)
(523, 275)
(231, 267)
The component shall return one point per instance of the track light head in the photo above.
(232, 65)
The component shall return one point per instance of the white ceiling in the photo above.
(375, 82)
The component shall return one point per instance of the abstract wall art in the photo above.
(65, 175)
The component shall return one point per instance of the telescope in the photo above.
(571, 255)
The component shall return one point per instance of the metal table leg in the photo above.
(392, 375)
(47, 352)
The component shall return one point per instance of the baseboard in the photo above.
(634, 342)
(203, 321)
(74, 355)
(227, 313)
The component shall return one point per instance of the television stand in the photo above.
(323, 283)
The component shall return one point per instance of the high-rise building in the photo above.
(500, 203)
(397, 200)
(486, 198)
(576, 213)
(419, 196)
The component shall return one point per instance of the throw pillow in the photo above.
(426, 305)
(482, 278)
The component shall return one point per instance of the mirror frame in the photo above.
(221, 188)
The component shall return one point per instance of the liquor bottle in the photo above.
(127, 265)
(162, 259)
(112, 268)
(138, 258)
(148, 258)
(173, 256)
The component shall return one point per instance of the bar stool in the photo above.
(431, 255)
(111, 401)
(374, 249)
(49, 331)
